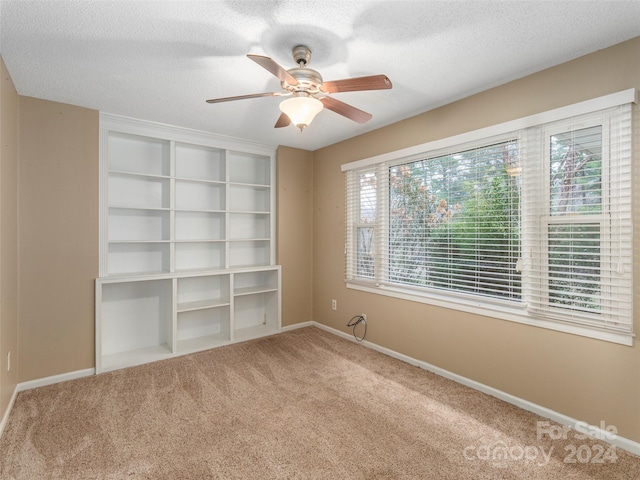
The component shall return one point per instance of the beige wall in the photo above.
(58, 232)
(295, 233)
(586, 379)
(8, 237)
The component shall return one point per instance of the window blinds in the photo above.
(453, 222)
(537, 218)
(577, 231)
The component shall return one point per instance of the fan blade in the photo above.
(373, 82)
(283, 121)
(273, 67)
(242, 97)
(346, 110)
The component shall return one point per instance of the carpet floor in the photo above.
(304, 404)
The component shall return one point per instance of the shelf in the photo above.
(249, 283)
(136, 276)
(198, 210)
(137, 258)
(200, 240)
(199, 196)
(249, 226)
(200, 163)
(138, 154)
(138, 191)
(255, 186)
(135, 357)
(200, 255)
(249, 253)
(202, 327)
(192, 225)
(253, 290)
(255, 331)
(127, 241)
(243, 198)
(256, 311)
(135, 322)
(201, 305)
(200, 180)
(203, 291)
(141, 176)
(248, 168)
(135, 209)
(199, 344)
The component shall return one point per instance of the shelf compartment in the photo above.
(138, 224)
(203, 329)
(135, 357)
(244, 226)
(138, 258)
(199, 162)
(247, 198)
(136, 154)
(250, 253)
(192, 195)
(255, 282)
(203, 292)
(200, 256)
(255, 315)
(138, 191)
(136, 321)
(249, 168)
(200, 225)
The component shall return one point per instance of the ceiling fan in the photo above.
(309, 93)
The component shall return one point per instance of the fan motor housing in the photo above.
(309, 81)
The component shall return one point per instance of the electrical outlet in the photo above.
(334, 304)
(9, 361)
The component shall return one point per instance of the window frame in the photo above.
(497, 308)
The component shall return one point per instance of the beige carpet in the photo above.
(302, 405)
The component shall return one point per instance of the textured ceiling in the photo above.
(160, 60)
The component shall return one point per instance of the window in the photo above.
(454, 222)
(531, 225)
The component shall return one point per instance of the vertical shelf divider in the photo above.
(173, 327)
(232, 288)
(172, 207)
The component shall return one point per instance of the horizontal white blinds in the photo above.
(362, 201)
(453, 221)
(578, 254)
(539, 218)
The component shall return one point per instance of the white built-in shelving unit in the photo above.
(187, 242)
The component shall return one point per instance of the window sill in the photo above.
(494, 310)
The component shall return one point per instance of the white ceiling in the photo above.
(160, 60)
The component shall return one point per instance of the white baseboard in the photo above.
(295, 326)
(63, 377)
(597, 432)
(5, 417)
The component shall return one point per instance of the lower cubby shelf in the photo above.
(135, 357)
(197, 344)
(255, 331)
(153, 317)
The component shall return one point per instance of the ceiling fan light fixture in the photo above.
(301, 110)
